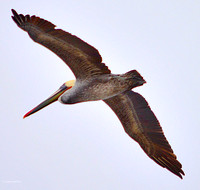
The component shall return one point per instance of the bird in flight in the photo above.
(94, 81)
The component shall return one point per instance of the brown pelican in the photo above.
(94, 81)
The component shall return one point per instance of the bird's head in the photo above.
(54, 97)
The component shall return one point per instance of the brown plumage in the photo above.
(68, 47)
(141, 124)
(95, 82)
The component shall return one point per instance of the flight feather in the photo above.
(83, 59)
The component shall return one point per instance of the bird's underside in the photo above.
(133, 111)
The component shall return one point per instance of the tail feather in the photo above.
(133, 74)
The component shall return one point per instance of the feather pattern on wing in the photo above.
(141, 124)
(83, 59)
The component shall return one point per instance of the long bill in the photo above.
(54, 97)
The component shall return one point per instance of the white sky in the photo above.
(84, 146)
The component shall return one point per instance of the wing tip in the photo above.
(15, 17)
(23, 20)
(171, 164)
(14, 12)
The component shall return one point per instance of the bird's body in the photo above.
(94, 81)
(101, 87)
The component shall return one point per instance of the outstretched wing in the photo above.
(141, 124)
(83, 59)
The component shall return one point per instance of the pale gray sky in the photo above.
(84, 146)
